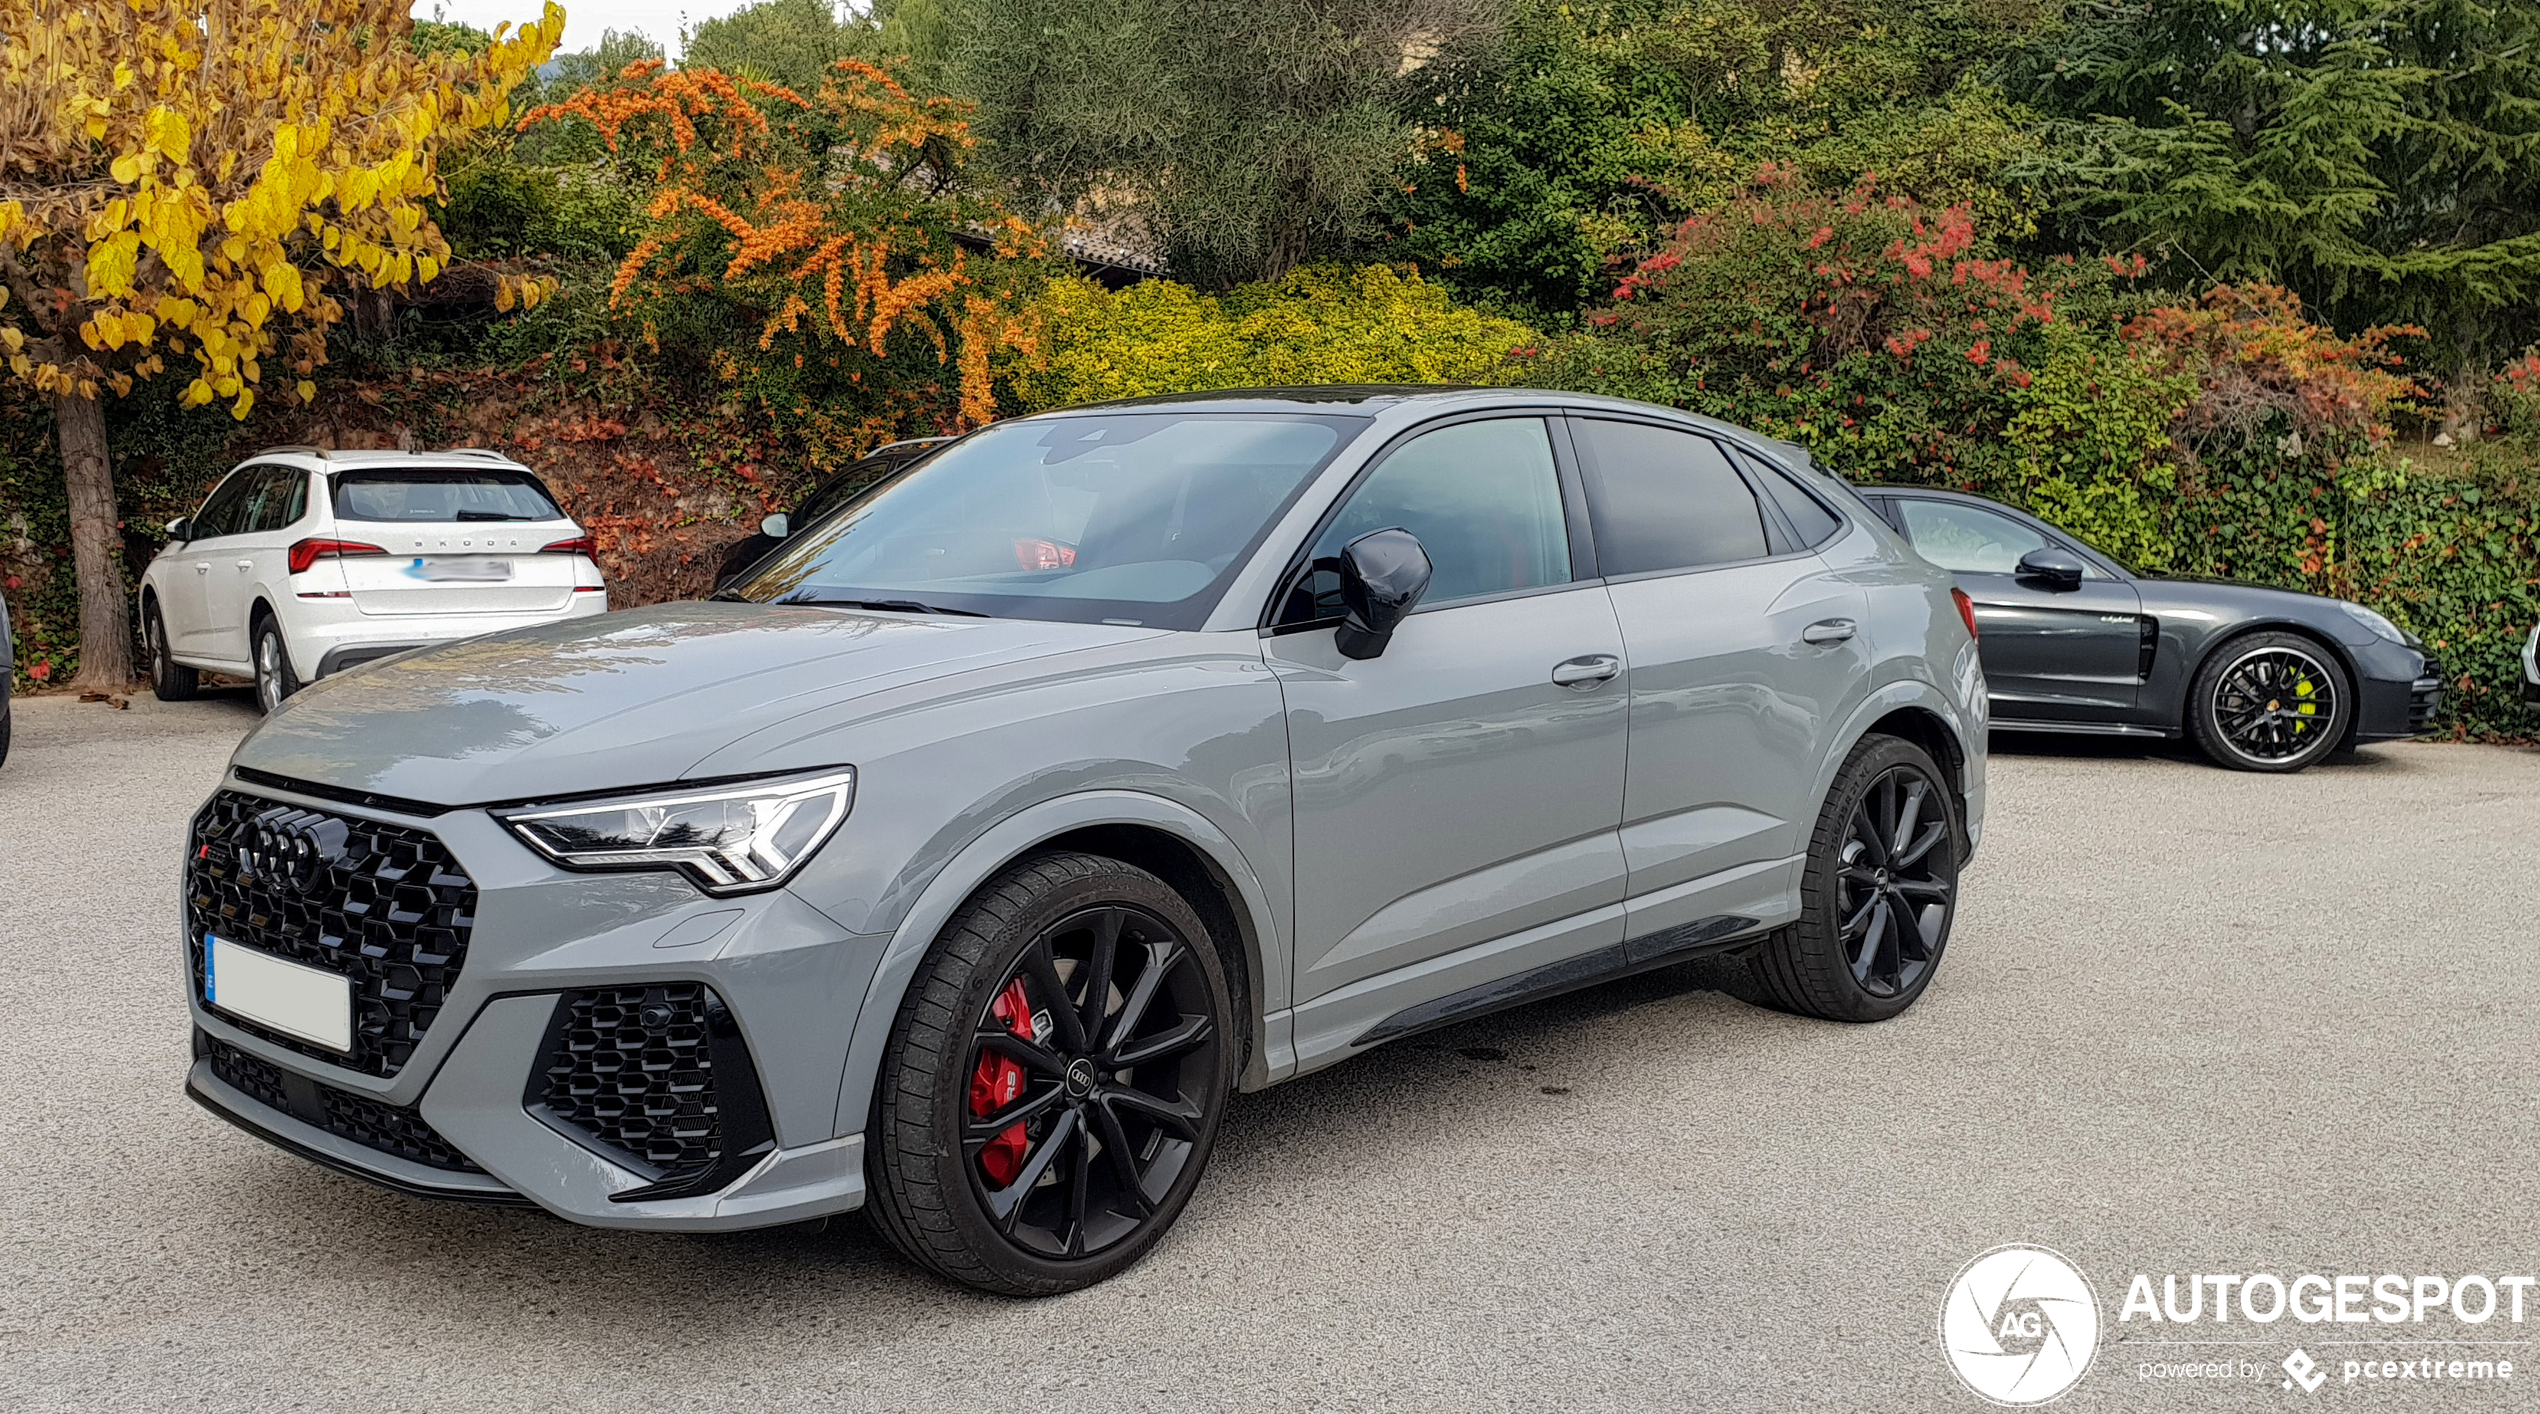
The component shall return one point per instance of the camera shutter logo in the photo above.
(2019, 1325)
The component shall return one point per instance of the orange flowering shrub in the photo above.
(835, 227)
(2259, 364)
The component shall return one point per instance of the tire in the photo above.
(1879, 893)
(170, 680)
(7, 718)
(2255, 704)
(275, 682)
(979, 1168)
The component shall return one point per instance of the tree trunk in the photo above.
(105, 615)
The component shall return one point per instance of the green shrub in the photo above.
(1323, 324)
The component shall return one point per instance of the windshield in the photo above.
(442, 495)
(1129, 518)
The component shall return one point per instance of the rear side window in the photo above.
(280, 498)
(438, 494)
(1666, 500)
(1811, 522)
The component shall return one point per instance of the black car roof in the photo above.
(1373, 397)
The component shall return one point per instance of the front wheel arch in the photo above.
(1116, 814)
(2216, 642)
(2223, 643)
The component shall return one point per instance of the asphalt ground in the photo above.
(2192, 1021)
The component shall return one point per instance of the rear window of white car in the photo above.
(439, 494)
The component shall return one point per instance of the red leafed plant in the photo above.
(1852, 319)
(2260, 365)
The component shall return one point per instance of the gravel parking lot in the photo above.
(2192, 1021)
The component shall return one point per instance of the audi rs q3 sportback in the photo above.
(963, 857)
(2261, 679)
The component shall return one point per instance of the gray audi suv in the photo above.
(962, 858)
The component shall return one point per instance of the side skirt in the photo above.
(1720, 933)
(2005, 724)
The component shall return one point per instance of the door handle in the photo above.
(246, 565)
(1586, 674)
(202, 567)
(1825, 631)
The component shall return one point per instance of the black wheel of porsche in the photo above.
(170, 680)
(275, 682)
(1055, 1079)
(2270, 702)
(1879, 892)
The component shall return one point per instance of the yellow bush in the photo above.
(1322, 324)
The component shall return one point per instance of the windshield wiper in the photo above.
(901, 606)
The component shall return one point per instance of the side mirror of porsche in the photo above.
(1383, 574)
(2056, 569)
(775, 527)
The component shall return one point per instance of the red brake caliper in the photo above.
(998, 1082)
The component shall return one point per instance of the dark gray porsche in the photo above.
(2073, 641)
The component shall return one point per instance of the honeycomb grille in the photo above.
(360, 1118)
(633, 1068)
(383, 904)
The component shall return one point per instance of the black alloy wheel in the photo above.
(1096, 1029)
(1895, 885)
(1055, 1080)
(1879, 893)
(2270, 702)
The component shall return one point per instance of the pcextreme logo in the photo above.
(2019, 1325)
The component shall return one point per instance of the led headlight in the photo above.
(2380, 626)
(728, 839)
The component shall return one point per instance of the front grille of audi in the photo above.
(361, 1118)
(386, 905)
(634, 1068)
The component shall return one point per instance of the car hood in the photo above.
(626, 699)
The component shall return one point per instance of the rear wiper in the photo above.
(902, 606)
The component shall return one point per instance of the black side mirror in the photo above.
(2056, 569)
(180, 530)
(1383, 573)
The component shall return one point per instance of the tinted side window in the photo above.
(1483, 498)
(220, 513)
(1967, 539)
(279, 497)
(1666, 500)
(1812, 522)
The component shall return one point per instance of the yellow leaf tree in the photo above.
(192, 183)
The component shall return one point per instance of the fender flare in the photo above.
(1880, 701)
(1000, 845)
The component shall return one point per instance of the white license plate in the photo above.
(308, 1002)
(464, 570)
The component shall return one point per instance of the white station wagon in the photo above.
(304, 562)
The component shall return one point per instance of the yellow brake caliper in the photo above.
(2309, 708)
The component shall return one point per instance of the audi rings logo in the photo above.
(290, 848)
(2019, 1325)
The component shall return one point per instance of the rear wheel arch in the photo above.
(1925, 728)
